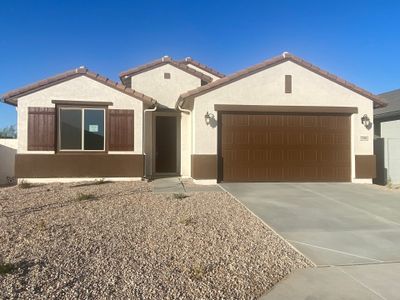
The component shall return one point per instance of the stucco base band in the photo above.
(77, 179)
(365, 166)
(78, 165)
(204, 166)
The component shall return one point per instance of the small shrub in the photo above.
(180, 196)
(42, 225)
(24, 185)
(389, 184)
(83, 197)
(100, 181)
(188, 221)
(6, 268)
(197, 272)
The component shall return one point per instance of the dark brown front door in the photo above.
(166, 144)
(284, 147)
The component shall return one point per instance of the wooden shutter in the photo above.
(120, 130)
(41, 128)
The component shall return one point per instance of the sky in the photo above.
(356, 40)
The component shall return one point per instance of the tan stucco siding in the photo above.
(204, 72)
(267, 88)
(78, 89)
(166, 91)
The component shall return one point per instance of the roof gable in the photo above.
(159, 62)
(191, 61)
(378, 102)
(12, 96)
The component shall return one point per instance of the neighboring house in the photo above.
(281, 120)
(387, 143)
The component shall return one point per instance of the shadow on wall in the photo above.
(7, 161)
(381, 171)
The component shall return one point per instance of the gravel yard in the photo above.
(121, 241)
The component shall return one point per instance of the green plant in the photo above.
(42, 225)
(100, 181)
(24, 185)
(187, 221)
(180, 196)
(83, 197)
(197, 272)
(6, 268)
(389, 184)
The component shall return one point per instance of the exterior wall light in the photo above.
(365, 120)
(208, 117)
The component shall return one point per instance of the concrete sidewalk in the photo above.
(375, 281)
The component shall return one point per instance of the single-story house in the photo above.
(281, 120)
(387, 139)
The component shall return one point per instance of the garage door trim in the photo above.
(286, 109)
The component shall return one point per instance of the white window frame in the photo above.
(82, 109)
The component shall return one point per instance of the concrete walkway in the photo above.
(176, 185)
(351, 232)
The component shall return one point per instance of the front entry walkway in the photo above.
(351, 232)
(178, 185)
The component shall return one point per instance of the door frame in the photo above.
(177, 116)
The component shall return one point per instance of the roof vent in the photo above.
(188, 58)
(165, 57)
(284, 54)
(82, 67)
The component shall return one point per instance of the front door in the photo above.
(166, 144)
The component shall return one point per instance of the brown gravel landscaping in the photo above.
(122, 241)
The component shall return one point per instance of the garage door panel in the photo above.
(272, 147)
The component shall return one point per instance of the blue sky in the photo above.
(357, 40)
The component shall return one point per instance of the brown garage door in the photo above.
(284, 147)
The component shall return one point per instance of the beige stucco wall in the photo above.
(165, 91)
(78, 89)
(267, 88)
(8, 149)
(202, 71)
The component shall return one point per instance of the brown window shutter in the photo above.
(120, 130)
(41, 128)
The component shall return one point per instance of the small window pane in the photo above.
(94, 129)
(71, 129)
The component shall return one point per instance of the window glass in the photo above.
(94, 129)
(71, 129)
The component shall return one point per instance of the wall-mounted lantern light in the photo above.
(208, 116)
(366, 121)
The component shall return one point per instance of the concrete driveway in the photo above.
(354, 228)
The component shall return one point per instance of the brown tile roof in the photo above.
(189, 60)
(12, 96)
(378, 102)
(162, 61)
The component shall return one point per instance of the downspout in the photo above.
(144, 137)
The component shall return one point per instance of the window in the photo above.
(81, 129)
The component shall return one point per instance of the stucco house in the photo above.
(387, 139)
(281, 120)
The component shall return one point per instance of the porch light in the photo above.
(208, 116)
(366, 121)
